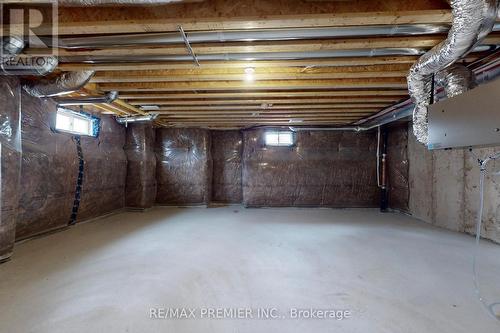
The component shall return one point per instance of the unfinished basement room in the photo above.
(249, 166)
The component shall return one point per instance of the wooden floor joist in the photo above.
(221, 94)
(385, 83)
(263, 94)
(305, 63)
(264, 22)
(366, 106)
(297, 101)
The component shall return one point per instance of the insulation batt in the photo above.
(183, 166)
(227, 150)
(322, 169)
(10, 160)
(398, 167)
(50, 170)
(141, 167)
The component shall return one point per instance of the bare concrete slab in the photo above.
(392, 272)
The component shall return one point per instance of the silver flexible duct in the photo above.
(65, 83)
(11, 46)
(29, 66)
(125, 120)
(106, 99)
(456, 79)
(472, 21)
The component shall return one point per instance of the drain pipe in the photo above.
(472, 21)
(384, 192)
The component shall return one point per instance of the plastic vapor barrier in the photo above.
(49, 174)
(329, 169)
(10, 160)
(50, 169)
(141, 169)
(105, 170)
(398, 167)
(183, 166)
(227, 150)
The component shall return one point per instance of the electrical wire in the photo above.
(483, 163)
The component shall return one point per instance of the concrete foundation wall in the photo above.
(445, 188)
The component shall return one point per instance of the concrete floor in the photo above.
(393, 273)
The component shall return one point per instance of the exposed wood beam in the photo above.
(245, 123)
(364, 99)
(358, 113)
(310, 63)
(257, 70)
(263, 22)
(265, 94)
(242, 77)
(393, 83)
(262, 117)
(276, 107)
(235, 96)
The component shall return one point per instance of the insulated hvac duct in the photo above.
(472, 21)
(11, 63)
(456, 79)
(106, 99)
(136, 119)
(29, 66)
(65, 83)
(11, 47)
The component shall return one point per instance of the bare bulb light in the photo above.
(249, 73)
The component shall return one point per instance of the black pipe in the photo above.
(384, 195)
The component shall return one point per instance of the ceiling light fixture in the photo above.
(249, 73)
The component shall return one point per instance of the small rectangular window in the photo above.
(74, 123)
(281, 138)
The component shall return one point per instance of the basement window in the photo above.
(281, 138)
(73, 122)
